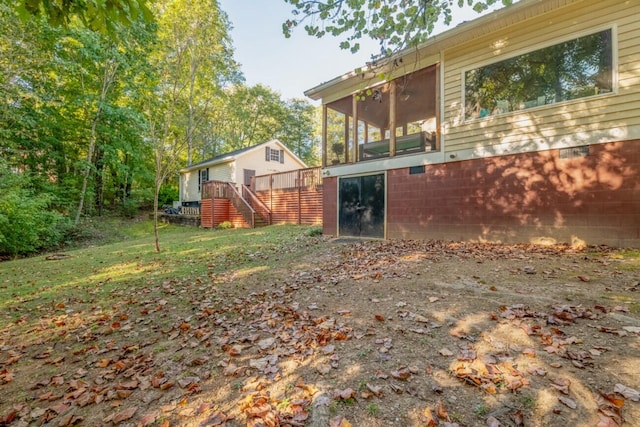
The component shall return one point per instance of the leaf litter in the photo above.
(395, 333)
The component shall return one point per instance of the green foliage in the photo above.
(27, 221)
(130, 208)
(225, 225)
(168, 194)
(97, 119)
(396, 24)
(103, 16)
(314, 231)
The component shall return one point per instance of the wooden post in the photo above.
(299, 197)
(392, 119)
(324, 134)
(438, 100)
(355, 127)
(346, 139)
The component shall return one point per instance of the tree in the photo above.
(395, 24)
(297, 131)
(193, 62)
(101, 16)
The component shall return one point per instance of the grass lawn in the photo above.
(249, 327)
(129, 260)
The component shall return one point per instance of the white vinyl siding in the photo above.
(602, 118)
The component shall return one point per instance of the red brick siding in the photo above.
(519, 198)
(329, 206)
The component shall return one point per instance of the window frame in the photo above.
(540, 46)
(202, 172)
(275, 158)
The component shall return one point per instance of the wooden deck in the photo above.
(289, 197)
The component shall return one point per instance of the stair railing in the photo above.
(258, 205)
(240, 204)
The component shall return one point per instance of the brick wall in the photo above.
(531, 197)
(329, 206)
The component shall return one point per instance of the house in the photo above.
(236, 167)
(520, 126)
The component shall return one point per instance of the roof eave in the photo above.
(464, 31)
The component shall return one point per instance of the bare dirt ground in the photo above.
(348, 334)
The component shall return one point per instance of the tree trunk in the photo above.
(155, 215)
(108, 77)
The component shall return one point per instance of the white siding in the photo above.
(189, 188)
(222, 172)
(233, 170)
(602, 118)
(255, 159)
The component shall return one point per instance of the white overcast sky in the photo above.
(289, 66)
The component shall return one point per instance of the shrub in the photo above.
(27, 222)
(130, 208)
(314, 231)
(225, 225)
(168, 194)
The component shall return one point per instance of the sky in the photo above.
(290, 66)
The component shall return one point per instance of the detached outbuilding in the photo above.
(520, 126)
(236, 167)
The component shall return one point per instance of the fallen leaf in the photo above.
(607, 422)
(124, 415)
(445, 352)
(148, 419)
(517, 417)
(441, 411)
(627, 392)
(493, 422)
(70, 420)
(323, 368)
(401, 374)
(345, 394)
(266, 343)
(428, 415)
(568, 402)
(374, 389)
(339, 421)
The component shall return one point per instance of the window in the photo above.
(574, 69)
(203, 176)
(272, 155)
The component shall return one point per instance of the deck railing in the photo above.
(301, 178)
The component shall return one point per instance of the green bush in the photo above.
(168, 194)
(225, 225)
(314, 231)
(27, 222)
(130, 208)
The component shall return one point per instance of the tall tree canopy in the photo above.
(102, 103)
(102, 16)
(395, 24)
